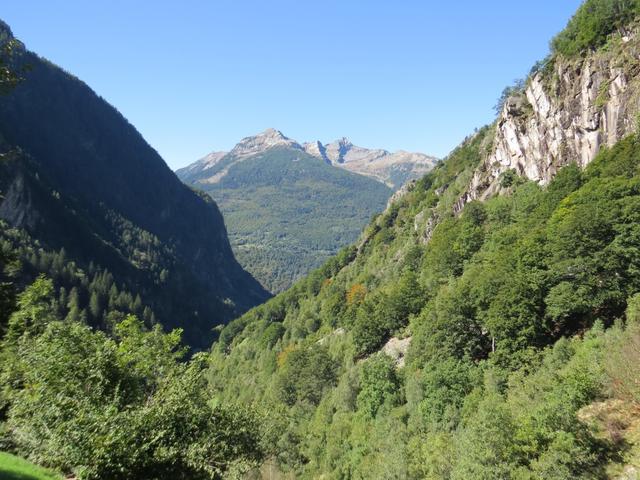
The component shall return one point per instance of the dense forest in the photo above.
(454, 340)
(287, 212)
(510, 309)
(90, 191)
(90, 383)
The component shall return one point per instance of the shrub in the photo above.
(379, 385)
(305, 374)
(594, 21)
(122, 408)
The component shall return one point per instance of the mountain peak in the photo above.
(393, 169)
(317, 149)
(5, 32)
(269, 138)
(272, 133)
(344, 142)
(338, 149)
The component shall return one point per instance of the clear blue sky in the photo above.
(197, 75)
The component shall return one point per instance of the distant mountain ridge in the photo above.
(392, 169)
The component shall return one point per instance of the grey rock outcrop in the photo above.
(564, 116)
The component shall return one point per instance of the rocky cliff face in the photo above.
(566, 114)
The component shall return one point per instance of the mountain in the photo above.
(486, 324)
(393, 169)
(82, 190)
(286, 211)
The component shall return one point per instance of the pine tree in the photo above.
(95, 306)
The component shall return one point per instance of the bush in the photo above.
(594, 21)
(122, 408)
(379, 385)
(272, 334)
(623, 365)
(305, 374)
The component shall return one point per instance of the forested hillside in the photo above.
(87, 388)
(88, 202)
(486, 324)
(286, 211)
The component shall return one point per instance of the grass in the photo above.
(616, 421)
(15, 468)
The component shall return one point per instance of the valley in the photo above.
(389, 315)
(288, 208)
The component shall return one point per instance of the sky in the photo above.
(195, 76)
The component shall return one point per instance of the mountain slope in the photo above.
(286, 211)
(393, 169)
(478, 323)
(76, 175)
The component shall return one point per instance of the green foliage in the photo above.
(272, 334)
(623, 362)
(516, 89)
(35, 309)
(9, 75)
(591, 25)
(288, 212)
(122, 210)
(506, 307)
(384, 313)
(305, 375)
(371, 327)
(379, 385)
(622, 160)
(444, 385)
(114, 407)
(485, 448)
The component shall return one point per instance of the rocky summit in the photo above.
(391, 168)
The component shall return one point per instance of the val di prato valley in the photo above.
(288, 206)
(485, 324)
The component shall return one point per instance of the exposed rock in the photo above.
(397, 348)
(16, 203)
(317, 149)
(629, 473)
(406, 188)
(392, 169)
(423, 228)
(205, 163)
(270, 138)
(337, 151)
(427, 232)
(563, 117)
